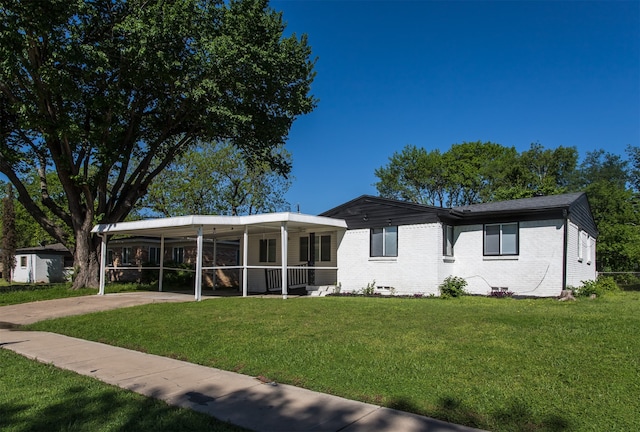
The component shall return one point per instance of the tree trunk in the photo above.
(85, 261)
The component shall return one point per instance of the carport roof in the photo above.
(221, 226)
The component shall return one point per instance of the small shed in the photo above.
(42, 264)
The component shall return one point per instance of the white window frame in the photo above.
(154, 254)
(126, 255)
(23, 261)
(501, 239)
(177, 255)
(384, 231)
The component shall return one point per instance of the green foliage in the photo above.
(601, 286)
(9, 235)
(474, 172)
(182, 277)
(412, 354)
(452, 286)
(369, 289)
(219, 181)
(108, 94)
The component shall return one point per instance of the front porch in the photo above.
(276, 251)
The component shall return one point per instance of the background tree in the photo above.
(28, 232)
(606, 177)
(413, 175)
(8, 235)
(465, 174)
(108, 93)
(214, 179)
(537, 171)
(474, 172)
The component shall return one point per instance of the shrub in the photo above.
(453, 286)
(178, 278)
(369, 289)
(601, 286)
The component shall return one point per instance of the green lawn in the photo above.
(497, 364)
(38, 397)
(26, 293)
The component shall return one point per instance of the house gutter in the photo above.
(565, 214)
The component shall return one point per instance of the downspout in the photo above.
(565, 214)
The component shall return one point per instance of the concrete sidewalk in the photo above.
(238, 399)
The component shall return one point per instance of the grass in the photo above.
(497, 364)
(26, 293)
(39, 397)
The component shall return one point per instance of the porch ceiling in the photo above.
(221, 226)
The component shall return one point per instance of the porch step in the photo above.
(320, 290)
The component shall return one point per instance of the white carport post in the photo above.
(161, 276)
(285, 253)
(198, 277)
(103, 262)
(245, 257)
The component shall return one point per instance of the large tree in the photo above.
(107, 93)
(217, 181)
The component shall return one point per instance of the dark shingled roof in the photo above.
(55, 248)
(370, 211)
(523, 204)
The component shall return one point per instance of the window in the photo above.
(268, 250)
(178, 255)
(501, 239)
(154, 255)
(384, 242)
(304, 248)
(126, 255)
(581, 245)
(447, 247)
(23, 261)
(589, 241)
(321, 248)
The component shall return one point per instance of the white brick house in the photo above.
(531, 247)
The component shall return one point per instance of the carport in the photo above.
(221, 227)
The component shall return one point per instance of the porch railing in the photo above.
(296, 276)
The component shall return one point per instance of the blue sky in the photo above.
(435, 73)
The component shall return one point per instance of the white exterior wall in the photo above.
(414, 270)
(536, 271)
(39, 268)
(581, 257)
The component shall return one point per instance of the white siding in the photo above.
(581, 257)
(536, 271)
(43, 269)
(414, 270)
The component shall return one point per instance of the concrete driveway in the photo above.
(28, 313)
